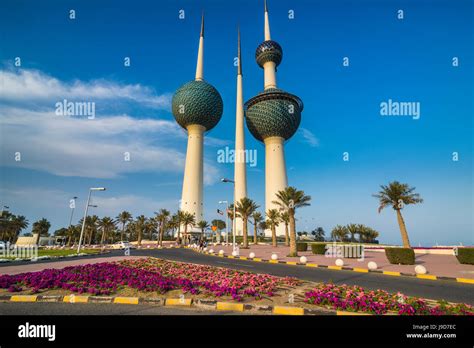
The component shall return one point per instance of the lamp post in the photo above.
(85, 214)
(233, 221)
(226, 220)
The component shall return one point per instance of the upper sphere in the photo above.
(197, 102)
(273, 112)
(269, 51)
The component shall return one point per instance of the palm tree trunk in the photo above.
(403, 230)
(255, 238)
(246, 242)
(274, 239)
(103, 237)
(293, 251)
(123, 231)
(162, 231)
(287, 237)
(139, 237)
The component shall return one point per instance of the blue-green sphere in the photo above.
(197, 102)
(268, 51)
(273, 112)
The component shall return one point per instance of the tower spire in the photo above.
(200, 58)
(239, 58)
(267, 22)
(240, 175)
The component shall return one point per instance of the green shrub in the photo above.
(301, 246)
(465, 256)
(319, 248)
(404, 256)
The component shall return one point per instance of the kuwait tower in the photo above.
(273, 116)
(197, 107)
(240, 175)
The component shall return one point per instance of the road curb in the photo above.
(171, 302)
(343, 268)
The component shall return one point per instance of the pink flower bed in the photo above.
(148, 275)
(356, 299)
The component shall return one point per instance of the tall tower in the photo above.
(273, 116)
(240, 175)
(197, 107)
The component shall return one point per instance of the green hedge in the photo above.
(301, 246)
(404, 256)
(465, 256)
(319, 249)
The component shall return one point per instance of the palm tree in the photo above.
(290, 199)
(124, 218)
(92, 223)
(188, 219)
(339, 233)
(273, 219)
(257, 218)
(318, 234)
(353, 229)
(285, 218)
(202, 225)
(262, 225)
(245, 208)
(107, 224)
(178, 217)
(41, 227)
(398, 195)
(162, 217)
(140, 224)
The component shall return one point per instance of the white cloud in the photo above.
(308, 137)
(35, 86)
(77, 146)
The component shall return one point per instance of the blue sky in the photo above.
(82, 60)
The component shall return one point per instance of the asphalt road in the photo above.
(438, 289)
(53, 308)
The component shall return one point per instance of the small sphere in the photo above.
(197, 103)
(252, 255)
(372, 265)
(221, 252)
(303, 259)
(235, 253)
(419, 269)
(274, 257)
(205, 249)
(339, 262)
(211, 251)
(268, 51)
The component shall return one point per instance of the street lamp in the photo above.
(85, 214)
(233, 221)
(226, 220)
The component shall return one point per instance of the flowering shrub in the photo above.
(149, 275)
(356, 299)
(218, 281)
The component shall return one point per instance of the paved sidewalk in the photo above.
(439, 265)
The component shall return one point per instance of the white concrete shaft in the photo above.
(200, 61)
(269, 75)
(192, 196)
(240, 175)
(267, 27)
(275, 176)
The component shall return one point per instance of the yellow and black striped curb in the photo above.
(171, 302)
(342, 268)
